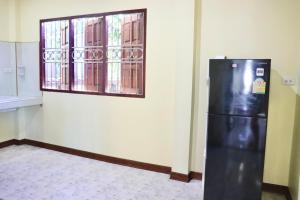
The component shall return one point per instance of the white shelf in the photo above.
(8, 103)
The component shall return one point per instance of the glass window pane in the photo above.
(125, 53)
(88, 54)
(55, 54)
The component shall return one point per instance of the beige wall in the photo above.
(255, 29)
(8, 20)
(155, 129)
(294, 182)
(295, 159)
(8, 128)
(4, 22)
(196, 155)
(183, 24)
(13, 19)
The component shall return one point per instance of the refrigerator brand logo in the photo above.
(260, 72)
(259, 86)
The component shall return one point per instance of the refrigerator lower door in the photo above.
(234, 158)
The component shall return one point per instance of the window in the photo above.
(95, 54)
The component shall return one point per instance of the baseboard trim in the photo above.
(135, 164)
(8, 143)
(114, 160)
(186, 178)
(279, 189)
(90, 155)
(179, 177)
(195, 175)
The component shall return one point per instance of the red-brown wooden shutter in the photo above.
(94, 42)
(132, 37)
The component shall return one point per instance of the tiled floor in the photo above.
(30, 173)
(271, 196)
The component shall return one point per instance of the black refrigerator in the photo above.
(237, 125)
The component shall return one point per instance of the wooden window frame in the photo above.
(71, 64)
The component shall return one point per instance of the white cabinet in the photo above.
(19, 75)
(8, 82)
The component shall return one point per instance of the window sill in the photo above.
(95, 93)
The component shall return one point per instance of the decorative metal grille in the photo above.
(134, 54)
(55, 55)
(113, 54)
(96, 54)
(107, 54)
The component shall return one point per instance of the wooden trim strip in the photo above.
(195, 175)
(186, 178)
(109, 159)
(279, 189)
(95, 15)
(180, 177)
(8, 143)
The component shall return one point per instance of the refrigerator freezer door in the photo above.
(239, 87)
(235, 156)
